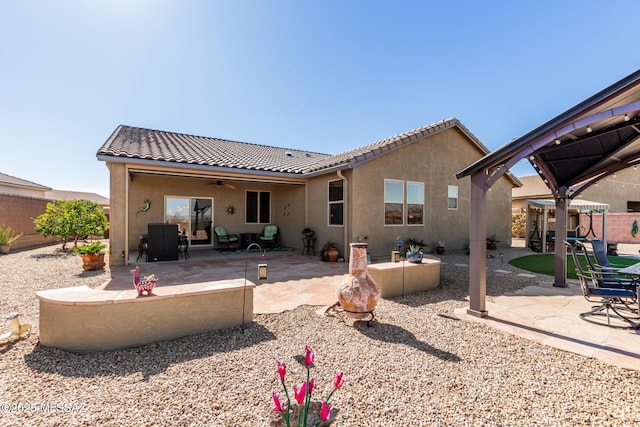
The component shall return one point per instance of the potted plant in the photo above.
(492, 242)
(330, 252)
(92, 255)
(440, 247)
(414, 254)
(308, 233)
(7, 237)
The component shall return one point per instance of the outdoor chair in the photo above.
(225, 239)
(269, 235)
(602, 261)
(618, 300)
(605, 276)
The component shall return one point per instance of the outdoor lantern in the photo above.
(262, 271)
(395, 256)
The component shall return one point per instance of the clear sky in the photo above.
(323, 76)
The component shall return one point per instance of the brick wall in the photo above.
(19, 213)
(619, 226)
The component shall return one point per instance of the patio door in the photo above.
(194, 216)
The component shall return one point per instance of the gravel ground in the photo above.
(417, 366)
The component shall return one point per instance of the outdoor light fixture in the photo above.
(589, 129)
(262, 274)
(626, 118)
(635, 168)
(531, 157)
(557, 142)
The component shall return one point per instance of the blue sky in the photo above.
(323, 76)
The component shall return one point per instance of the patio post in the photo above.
(561, 235)
(478, 247)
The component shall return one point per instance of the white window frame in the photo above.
(407, 203)
(456, 197)
(401, 202)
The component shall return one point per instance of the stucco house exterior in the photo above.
(403, 186)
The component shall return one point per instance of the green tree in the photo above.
(71, 219)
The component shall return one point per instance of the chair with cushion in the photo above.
(620, 301)
(269, 235)
(225, 239)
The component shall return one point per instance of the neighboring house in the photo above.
(621, 191)
(21, 201)
(400, 186)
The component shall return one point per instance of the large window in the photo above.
(258, 207)
(336, 202)
(194, 216)
(452, 199)
(393, 202)
(415, 203)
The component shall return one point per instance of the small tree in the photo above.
(71, 219)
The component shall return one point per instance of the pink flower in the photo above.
(325, 411)
(312, 384)
(309, 356)
(338, 381)
(282, 370)
(276, 401)
(300, 394)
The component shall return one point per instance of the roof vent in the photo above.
(289, 154)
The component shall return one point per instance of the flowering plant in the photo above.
(302, 395)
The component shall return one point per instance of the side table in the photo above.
(308, 245)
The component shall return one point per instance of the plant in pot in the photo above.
(440, 247)
(492, 242)
(330, 252)
(92, 255)
(7, 237)
(414, 254)
(308, 233)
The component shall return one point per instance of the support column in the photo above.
(478, 247)
(561, 235)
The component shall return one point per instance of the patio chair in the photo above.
(602, 261)
(606, 277)
(617, 300)
(225, 239)
(269, 235)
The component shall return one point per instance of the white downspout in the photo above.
(345, 248)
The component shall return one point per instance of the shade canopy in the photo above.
(577, 204)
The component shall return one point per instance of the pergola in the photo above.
(571, 152)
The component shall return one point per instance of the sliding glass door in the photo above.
(194, 216)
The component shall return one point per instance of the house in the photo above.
(21, 201)
(402, 186)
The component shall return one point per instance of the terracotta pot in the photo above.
(92, 262)
(4, 249)
(333, 254)
(440, 249)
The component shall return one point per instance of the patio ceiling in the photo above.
(574, 150)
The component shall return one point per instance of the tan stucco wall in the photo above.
(433, 161)
(125, 322)
(403, 278)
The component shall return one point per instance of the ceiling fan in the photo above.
(220, 184)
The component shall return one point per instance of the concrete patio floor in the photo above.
(539, 313)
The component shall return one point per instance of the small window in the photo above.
(393, 202)
(336, 202)
(452, 200)
(415, 203)
(258, 207)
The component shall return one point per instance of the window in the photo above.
(336, 202)
(194, 216)
(452, 200)
(415, 203)
(258, 207)
(393, 202)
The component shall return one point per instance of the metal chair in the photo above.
(608, 299)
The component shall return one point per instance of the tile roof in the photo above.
(12, 181)
(532, 187)
(147, 144)
(75, 195)
(128, 143)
